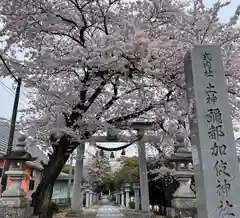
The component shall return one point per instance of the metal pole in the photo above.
(11, 134)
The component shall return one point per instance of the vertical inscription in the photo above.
(218, 149)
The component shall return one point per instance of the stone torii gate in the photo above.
(140, 127)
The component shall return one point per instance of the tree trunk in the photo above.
(47, 197)
(77, 201)
(43, 194)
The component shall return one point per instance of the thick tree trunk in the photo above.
(46, 199)
(77, 201)
(42, 196)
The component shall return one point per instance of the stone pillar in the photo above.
(82, 195)
(137, 196)
(143, 175)
(93, 197)
(122, 197)
(118, 198)
(127, 191)
(215, 159)
(76, 202)
(87, 197)
(90, 198)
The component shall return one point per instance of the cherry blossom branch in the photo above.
(85, 26)
(80, 108)
(104, 18)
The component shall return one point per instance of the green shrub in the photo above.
(52, 208)
(131, 205)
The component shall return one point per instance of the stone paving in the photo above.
(109, 211)
(106, 210)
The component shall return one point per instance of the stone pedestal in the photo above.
(13, 202)
(90, 198)
(122, 197)
(127, 192)
(119, 198)
(14, 207)
(116, 198)
(87, 198)
(184, 199)
(137, 197)
(82, 197)
(93, 198)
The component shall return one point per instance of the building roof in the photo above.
(33, 150)
(4, 133)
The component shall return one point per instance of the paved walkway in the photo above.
(109, 211)
(102, 210)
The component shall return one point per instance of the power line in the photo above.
(7, 88)
(10, 91)
(5, 64)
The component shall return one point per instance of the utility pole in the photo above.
(11, 133)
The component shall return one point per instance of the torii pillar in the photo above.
(143, 174)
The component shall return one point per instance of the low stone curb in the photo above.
(137, 214)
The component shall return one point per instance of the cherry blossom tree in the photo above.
(236, 18)
(98, 168)
(95, 65)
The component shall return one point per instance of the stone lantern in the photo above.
(184, 199)
(14, 199)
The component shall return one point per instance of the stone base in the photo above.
(13, 202)
(13, 212)
(14, 207)
(137, 214)
(170, 212)
(75, 214)
(184, 203)
(186, 212)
